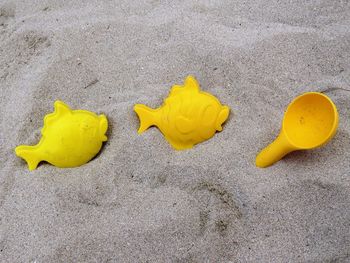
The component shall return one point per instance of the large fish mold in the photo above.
(188, 115)
(70, 138)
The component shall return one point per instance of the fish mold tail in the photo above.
(146, 115)
(29, 154)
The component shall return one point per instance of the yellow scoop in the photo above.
(310, 121)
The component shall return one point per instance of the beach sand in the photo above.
(139, 200)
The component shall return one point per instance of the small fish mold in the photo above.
(70, 138)
(187, 117)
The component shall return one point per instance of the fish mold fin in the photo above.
(61, 109)
(175, 90)
(192, 84)
(29, 154)
(178, 145)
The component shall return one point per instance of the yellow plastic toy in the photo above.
(310, 121)
(70, 138)
(187, 117)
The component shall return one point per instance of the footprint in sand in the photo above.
(7, 13)
(19, 50)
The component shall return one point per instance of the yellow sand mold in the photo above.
(70, 138)
(187, 117)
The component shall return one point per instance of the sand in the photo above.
(139, 200)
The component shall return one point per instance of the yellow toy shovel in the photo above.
(310, 121)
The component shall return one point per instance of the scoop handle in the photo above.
(274, 152)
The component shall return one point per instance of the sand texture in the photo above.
(139, 200)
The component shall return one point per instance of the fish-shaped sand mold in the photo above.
(187, 117)
(70, 138)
